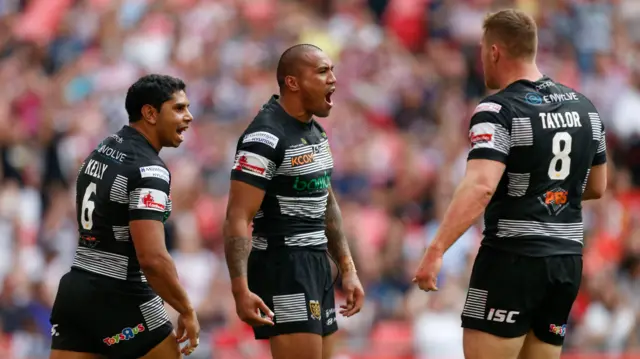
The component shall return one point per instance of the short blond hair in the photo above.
(514, 29)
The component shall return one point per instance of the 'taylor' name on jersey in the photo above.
(560, 120)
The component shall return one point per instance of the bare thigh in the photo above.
(481, 345)
(328, 346)
(534, 348)
(167, 349)
(296, 346)
(65, 354)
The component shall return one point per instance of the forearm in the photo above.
(237, 247)
(162, 276)
(336, 239)
(468, 204)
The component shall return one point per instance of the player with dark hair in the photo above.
(537, 151)
(107, 305)
(281, 181)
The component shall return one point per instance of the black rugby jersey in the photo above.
(548, 136)
(292, 162)
(123, 179)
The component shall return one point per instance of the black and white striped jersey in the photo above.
(291, 161)
(548, 136)
(123, 179)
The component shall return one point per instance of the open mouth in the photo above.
(327, 96)
(181, 130)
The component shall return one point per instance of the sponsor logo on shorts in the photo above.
(262, 137)
(314, 308)
(126, 334)
(501, 315)
(558, 330)
(555, 200)
(54, 331)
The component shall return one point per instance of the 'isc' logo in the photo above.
(501, 315)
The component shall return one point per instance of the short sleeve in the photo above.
(149, 193)
(489, 133)
(258, 154)
(601, 153)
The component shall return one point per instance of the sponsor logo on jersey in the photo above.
(262, 137)
(488, 107)
(314, 184)
(111, 153)
(155, 172)
(252, 163)
(482, 135)
(88, 241)
(116, 138)
(555, 200)
(558, 330)
(303, 159)
(314, 309)
(545, 84)
(534, 98)
(152, 199)
(126, 334)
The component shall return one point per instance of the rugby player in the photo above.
(281, 181)
(537, 151)
(106, 305)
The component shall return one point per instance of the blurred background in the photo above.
(409, 76)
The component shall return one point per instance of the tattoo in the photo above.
(336, 239)
(236, 251)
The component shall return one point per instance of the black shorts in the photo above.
(510, 294)
(297, 286)
(96, 314)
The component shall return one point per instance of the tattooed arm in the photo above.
(336, 239)
(244, 202)
(339, 249)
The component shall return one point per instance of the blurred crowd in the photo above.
(409, 76)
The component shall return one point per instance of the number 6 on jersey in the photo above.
(561, 152)
(86, 216)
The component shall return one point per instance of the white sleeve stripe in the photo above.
(490, 135)
(602, 145)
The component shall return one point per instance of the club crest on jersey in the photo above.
(555, 200)
(314, 309)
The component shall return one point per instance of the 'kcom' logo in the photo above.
(313, 184)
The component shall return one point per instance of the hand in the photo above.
(355, 294)
(188, 328)
(248, 308)
(427, 274)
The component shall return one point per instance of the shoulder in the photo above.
(494, 108)
(264, 129)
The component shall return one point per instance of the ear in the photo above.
(292, 83)
(495, 53)
(149, 114)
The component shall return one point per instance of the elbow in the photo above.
(484, 192)
(152, 263)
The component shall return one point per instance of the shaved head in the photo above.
(290, 61)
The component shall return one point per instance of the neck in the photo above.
(519, 71)
(294, 108)
(146, 133)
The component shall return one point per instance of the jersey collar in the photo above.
(275, 104)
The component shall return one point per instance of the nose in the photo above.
(331, 79)
(189, 117)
